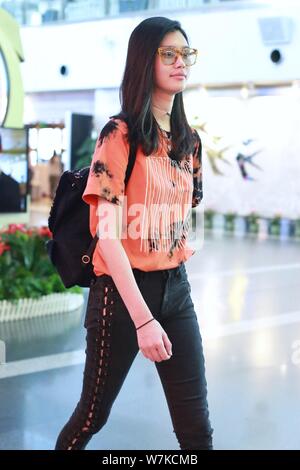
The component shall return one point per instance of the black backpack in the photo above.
(72, 246)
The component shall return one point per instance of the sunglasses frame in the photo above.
(178, 52)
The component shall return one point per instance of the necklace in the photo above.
(167, 133)
(157, 119)
(162, 111)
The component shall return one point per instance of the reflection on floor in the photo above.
(247, 298)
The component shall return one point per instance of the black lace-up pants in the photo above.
(112, 347)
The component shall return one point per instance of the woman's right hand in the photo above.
(154, 343)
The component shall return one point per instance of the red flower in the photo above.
(45, 232)
(3, 248)
(13, 228)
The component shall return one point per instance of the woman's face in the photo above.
(166, 76)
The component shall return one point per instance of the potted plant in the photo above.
(229, 221)
(208, 218)
(29, 284)
(296, 231)
(274, 225)
(85, 152)
(252, 223)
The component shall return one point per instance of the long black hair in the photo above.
(137, 86)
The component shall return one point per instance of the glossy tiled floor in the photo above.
(247, 296)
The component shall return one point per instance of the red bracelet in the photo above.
(145, 323)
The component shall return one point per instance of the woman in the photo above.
(140, 299)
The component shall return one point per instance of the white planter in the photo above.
(45, 305)
(285, 228)
(263, 229)
(239, 226)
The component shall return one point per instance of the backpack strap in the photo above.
(86, 258)
(131, 161)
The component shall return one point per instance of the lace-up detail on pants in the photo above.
(88, 414)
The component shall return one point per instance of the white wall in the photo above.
(229, 42)
(272, 124)
(51, 107)
(93, 54)
(107, 103)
